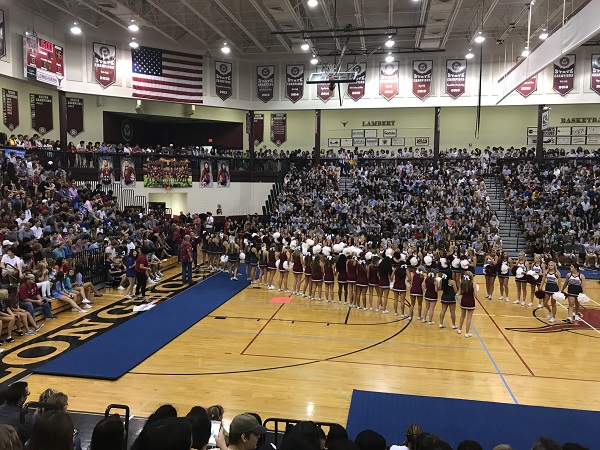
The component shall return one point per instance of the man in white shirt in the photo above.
(10, 263)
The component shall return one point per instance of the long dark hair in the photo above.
(340, 264)
(385, 267)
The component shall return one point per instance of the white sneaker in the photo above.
(442, 325)
(395, 314)
(507, 299)
(454, 327)
(516, 302)
(459, 331)
(87, 306)
(530, 304)
(551, 320)
(151, 281)
(160, 274)
(386, 311)
(468, 335)
(128, 296)
(577, 318)
(85, 300)
(501, 298)
(539, 306)
(121, 288)
(523, 303)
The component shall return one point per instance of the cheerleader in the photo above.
(342, 277)
(575, 285)
(373, 279)
(503, 268)
(220, 251)
(416, 291)
(233, 259)
(449, 290)
(252, 261)
(490, 261)
(263, 256)
(538, 267)
(471, 258)
(307, 272)
(431, 296)
(551, 281)
(468, 297)
(520, 270)
(328, 278)
(429, 259)
(399, 287)
(283, 269)
(385, 271)
(297, 270)
(316, 278)
(362, 284)
(271, 267)
(351, 269)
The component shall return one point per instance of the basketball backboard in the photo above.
(324, 77)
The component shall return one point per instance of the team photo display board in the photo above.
(166, 172)
(579, 135)
(44, 60)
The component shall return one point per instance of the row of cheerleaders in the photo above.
(365, 276)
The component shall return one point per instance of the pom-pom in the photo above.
(294, 243)
(456, 263)
(389, 252)
(414, 261)
(504, 268)
(286, 265)
(443, 263)
(539, 294)
(464, 264)
(338, 248)
(224, 259)
(428, 260)
(317, 249)
(277, 263)
(558, 296)
(520, 272)
(583, 299)
(50, 163)
(242, 256)
(276, 236)
(310, 242)
(326, 250)
(402, 256)
(245, 241)
(368, 256)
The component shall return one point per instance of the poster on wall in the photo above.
(422, 141)
(371, 142)
(563, 140)
(388, 80)
(422, 77)
(259, 128)
(105, 64)
(334, 142)
(356, 90)
(206, 179)
(41, 113)
(564, 75)
(595, 73)
(223, 178)
(398, 141)
(359, 142)
(390, 133)
(371, 133)
(323, 91)
(265, 82)
(127, 173)
(2, 34)
(593, 140)
(164, 172)
(456, 77)
(74, 116)
(346, 142)
(294, 82)
(10, 108)
(106, 172)
(278, 128)
(223, 79)
(358, 133)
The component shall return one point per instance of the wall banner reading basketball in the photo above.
(422, 76)
(259, 128)
(595, 74)
(10, 108)
(278, 128)
(41, 113)
(323, 91)
(265, 82)
(356, 90)
(74, 116)
(223, 178)
(456, 77)
(106, 173)
(223, 79)
(388, 80)
(564, 75)
(294, 82)
(105, 64)
(206, 179)
(127, 172)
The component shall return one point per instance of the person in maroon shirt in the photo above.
(29, 297)
(186, 258)
(141, 273)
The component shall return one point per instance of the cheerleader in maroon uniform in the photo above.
(307, 273)
(263, 257)
(416, 291)
(328, 278)
(297, 270)
(271, 267)
(468, 297)
(385, 271)
(399, 288)
(351, 269)
(342, 277)
(490, 261)
(449, 290)
(316, 278)
(373, 279)
(362, 284)
(431, 296)
(284, 257)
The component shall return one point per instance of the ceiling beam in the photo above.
(419, 33)
(360, 19)
(240, 25)
(330, 23)
(177, 22)
(453, 17)
(211, 25)
(270, 24)
(66, 11)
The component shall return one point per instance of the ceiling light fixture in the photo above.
(470, 55)
(389, 58)
(133, 43)
(225, 49)
(525, 53)
(480, 38)
(314, 60)
(389, 43)
(544, 35)
(133, 26)
(312, 3)
(305, 46)
(75, 29)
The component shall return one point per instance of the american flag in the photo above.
(165, 75)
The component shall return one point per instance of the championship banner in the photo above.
(422, 76)
(223, 79)
(2, 35)
(265, 82)
(259, 128)
(74, 116)
(106, 173)
(528, 87)
(595, 74)
(223, 178)
(564, 75)
(105, 64)
(206, 179)
(456, 77)
(323, 91)
(127, 173)
(294, 82)
(10, 108)
(388, 80)
(41, 113)
(356, 90)
(167, 172)
(278, 128)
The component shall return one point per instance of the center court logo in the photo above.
(591, 318)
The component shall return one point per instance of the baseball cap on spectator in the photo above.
(244, 424)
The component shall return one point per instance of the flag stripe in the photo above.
(165, 89)
(177, 74)
(169, 98)
(154, 81)
(189, 56)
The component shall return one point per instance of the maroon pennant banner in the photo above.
(564, 75)
(41, 113)
(105, 64)
(259, 128)
(356, 90)
(74, 116)
(595, 74)
(278, 128)
(265, 82)
(323, 91)
(456, 77)
(388, 80)
(528, 87)
(10, 108)
(422, 77)
(223, 79)
(294, 82)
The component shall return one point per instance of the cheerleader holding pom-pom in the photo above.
(550, 282)
(468, 297)
(416, 292)
(520, 270)
(489, 269)
(449, 290)
(504, 265)
(399, 288)
(431, 296)
(575, 285)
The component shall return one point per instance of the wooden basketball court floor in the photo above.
(303, 359)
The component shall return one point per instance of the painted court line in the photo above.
(495, 365)
(582, 319)
(261, 330)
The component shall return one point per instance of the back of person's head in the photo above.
(52, 431)
(342, 444)
(469, 445)
(336, 432)
(370, 440)
(59, 399)
(421, 440)
(9, 439)
(173, 433)
(200, 422)
(163, 412)
(502, 447)
(16, 392)
(108, 434)
(572, 446)
(216, 412)
(412, 431)
(545, 443)
(305, 435)
(435, 443)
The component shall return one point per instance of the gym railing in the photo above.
(276, 428)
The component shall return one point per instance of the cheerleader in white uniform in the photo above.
(538, 267)
(575, 285)
(550, 282)
(520, 270)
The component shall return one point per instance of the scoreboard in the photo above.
(44, 60)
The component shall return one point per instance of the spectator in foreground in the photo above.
(370, 440)
(244, 433)
(469, 445)
(53, 431)
(108, 434)
(9, 439)
(10, 411)
(545, 443)
(173, 433)
(200, 422)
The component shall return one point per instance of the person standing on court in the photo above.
(186, 258)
